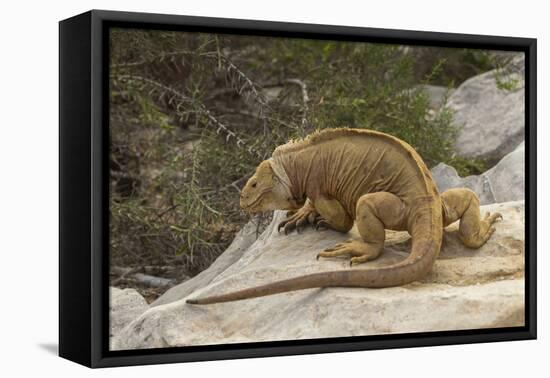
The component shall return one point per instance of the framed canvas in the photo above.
(233, 188)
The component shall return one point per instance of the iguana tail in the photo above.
(426, 231)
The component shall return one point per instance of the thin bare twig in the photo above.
(199, 108)
(230, 185)
(305, 98)
(125, 175)
(159, 57)
(249, 83)
(248, 86)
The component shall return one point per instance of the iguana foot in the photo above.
(321, 223)
(359, 250)
(486, 229)
(474, 229)
(299, 219)
(492, 218)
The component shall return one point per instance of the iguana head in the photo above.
(264, 191)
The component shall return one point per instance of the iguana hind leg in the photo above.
(463, 204)
(375, 212)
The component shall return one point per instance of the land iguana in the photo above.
(337, 176)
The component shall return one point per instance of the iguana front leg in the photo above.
(332, 214)
(306, 215)
(323, 211)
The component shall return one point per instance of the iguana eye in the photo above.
(254, 185)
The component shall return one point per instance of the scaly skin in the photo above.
(336, 177)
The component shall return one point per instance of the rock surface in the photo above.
(467, 289)
(491, 120)
(507, 178)
(504, 182)
(241, 242)
(436, 95)
(125, 306)
(446, 177)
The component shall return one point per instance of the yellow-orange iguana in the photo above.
(336, 176)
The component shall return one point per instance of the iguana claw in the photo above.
(298, 220)
(321, 223)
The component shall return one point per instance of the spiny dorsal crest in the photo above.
(319, 136)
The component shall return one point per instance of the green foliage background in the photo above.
(193, 114)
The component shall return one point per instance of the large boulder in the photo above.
(489, 110)
(507, 178)
(446, 177)
(504, 182)
(467, 289)
(437, 95)
(125, 305)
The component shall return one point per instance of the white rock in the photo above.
(436, 95)
(508, 176)
(125, 305)
(504, 182)
(491, 120)
(446, 177)
(467, 289)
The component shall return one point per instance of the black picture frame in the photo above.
(83, 196)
